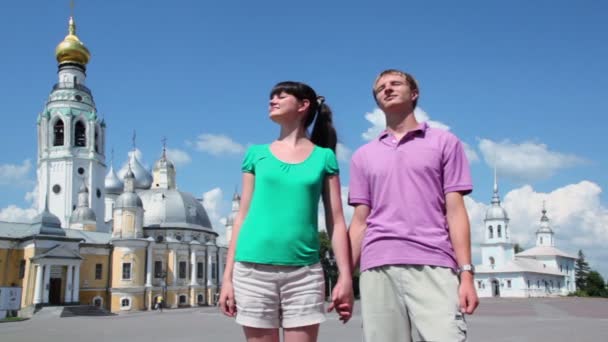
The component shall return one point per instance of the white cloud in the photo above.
(15, 174)
(577, 217)
(527, 161)
(343, 153)
(213, 203)
(471, 153)
(178, 157)
(13, 213)
(378, 121)
(218, 144)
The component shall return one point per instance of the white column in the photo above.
(68, 286)
(175, 270)
(193, 269)
(209, 268)
(39, 286)
(46, 284)
(76, 284)
(149, 267)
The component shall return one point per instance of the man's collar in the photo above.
(422, 127)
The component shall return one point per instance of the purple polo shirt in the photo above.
(405, 183)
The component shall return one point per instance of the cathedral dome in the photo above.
(545, 226)
(128, 200)
(112, 183)
(163, 163)
(71, 49)
(496, 212)
(143, 178)
(171, 208)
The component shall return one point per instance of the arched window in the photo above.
(182, 299)
(499, 231)
(58, 133)
(541, 240)
(200, 299)
(492, 261)
(80, 138)
(491, 232)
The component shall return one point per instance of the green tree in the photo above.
(581, 271)
(595, 285)
(517, 248)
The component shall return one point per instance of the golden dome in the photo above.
(71, 49)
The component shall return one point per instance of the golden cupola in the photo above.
(71, 49)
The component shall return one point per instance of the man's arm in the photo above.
(460, 235)
(356, 231)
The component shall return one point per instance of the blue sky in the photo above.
(523, 82)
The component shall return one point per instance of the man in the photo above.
(410, 227)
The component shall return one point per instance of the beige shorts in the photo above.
(270, 296)
(411, 303)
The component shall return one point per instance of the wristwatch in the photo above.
(466, 268)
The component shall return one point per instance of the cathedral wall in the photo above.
(87, 271)
(137, 258)
(88, 296)
(29, 279)
(136, 302)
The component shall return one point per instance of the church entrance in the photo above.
(495, 288)
(55, 291)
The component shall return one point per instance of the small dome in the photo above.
(496, 213)
(143, 178)
(83, 214)
(128, 200)
(71, 49)
(48, 224)
(163, 163)
(545, 226)
(113, 184)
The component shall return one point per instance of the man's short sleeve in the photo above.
(358, 190)
(456, 170)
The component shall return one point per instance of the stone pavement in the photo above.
(554, 320)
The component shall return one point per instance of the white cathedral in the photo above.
(541, 271)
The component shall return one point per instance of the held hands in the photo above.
(226, 302)
(467, 294)
(342, 298)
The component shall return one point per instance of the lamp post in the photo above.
(330, 262)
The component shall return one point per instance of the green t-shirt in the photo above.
(281, 225)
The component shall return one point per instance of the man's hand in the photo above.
(467, 294)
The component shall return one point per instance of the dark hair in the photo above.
(323, 132)
(411, 82)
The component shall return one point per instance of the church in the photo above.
(113, 239)
(541, 271)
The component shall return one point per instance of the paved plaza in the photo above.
(555, 320)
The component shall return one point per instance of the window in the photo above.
(125, 303)
(182, 299)
(213, 270)
(541, 240)
(508, 283)
(182, 270)
(98, 271)
(58, 133)
(528, 283)
(499, 231)
(479, 284)
(80, 138)
(492, 262)
(199, 270)
(538, 284)
(126, 271)
(491, 232)
(97, 140)
(158, 269)
(200, 299)
(21, 269)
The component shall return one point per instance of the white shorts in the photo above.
(271, 296)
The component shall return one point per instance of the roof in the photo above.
(544, 251)
(20, 230)
(518, 266)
